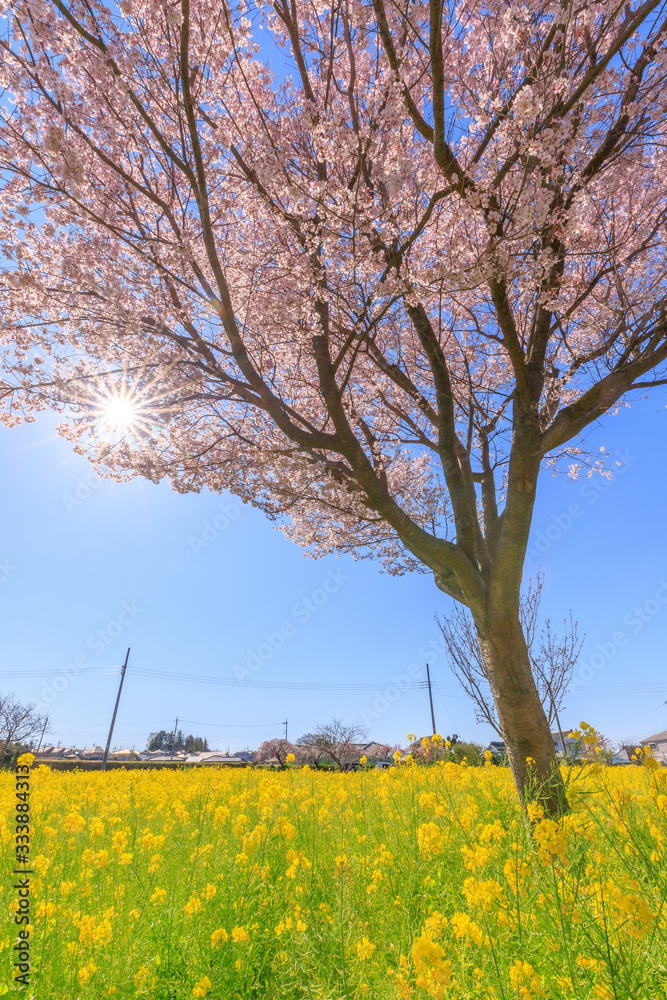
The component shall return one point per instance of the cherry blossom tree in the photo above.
(279, 750)
(371, 266)
(336, 741)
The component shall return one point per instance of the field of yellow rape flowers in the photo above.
(414, 882)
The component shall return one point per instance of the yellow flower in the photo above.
(142, 977)
(535, 811)
(464, 927)
(476, 857)
(426, 742)
(158, 896)
(284, 828)
(290, 758)
(482, 894)
(74, 823)
(86, 972)
(435, 924)
(363, 759)
(341, 864)
(429, 838)
(525, 981)
(193, 905)
(434, 971)
(27, 759)
(411, 737)
(219, 935)
(365, 949)
(201, 988)
(240, 935)
(550, 838)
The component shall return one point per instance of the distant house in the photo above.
(658, 744)
(50, 752)
(247, 755)
(623, 756)
(93, 753)
(572, 745)
(215, 757)
(373, 752)
(125, 755)
(159, 755)
(497, 747)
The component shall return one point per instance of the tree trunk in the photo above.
(522, 718)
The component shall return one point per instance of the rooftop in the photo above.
(658, 738)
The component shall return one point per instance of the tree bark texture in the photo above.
(523, 722)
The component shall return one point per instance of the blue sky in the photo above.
(202, 586)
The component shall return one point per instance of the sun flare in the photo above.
(120, 413)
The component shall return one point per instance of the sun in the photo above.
(127, 410)
(120, 413)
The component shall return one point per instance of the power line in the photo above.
(225, 681)
(283, 685)
(234, 725)
(141, 726)
(657, 687)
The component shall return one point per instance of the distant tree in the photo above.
(279, 750)
(552, 656)
(160, 741)
(429, 749)
(311, 753)
(168, 743)
(20, 725)
(472, 753)
(195, 744)
(338, 741)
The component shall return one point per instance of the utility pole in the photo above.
(46, 722)
(285, 730)
(113, 717)
(173, 738)
(430, 697)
